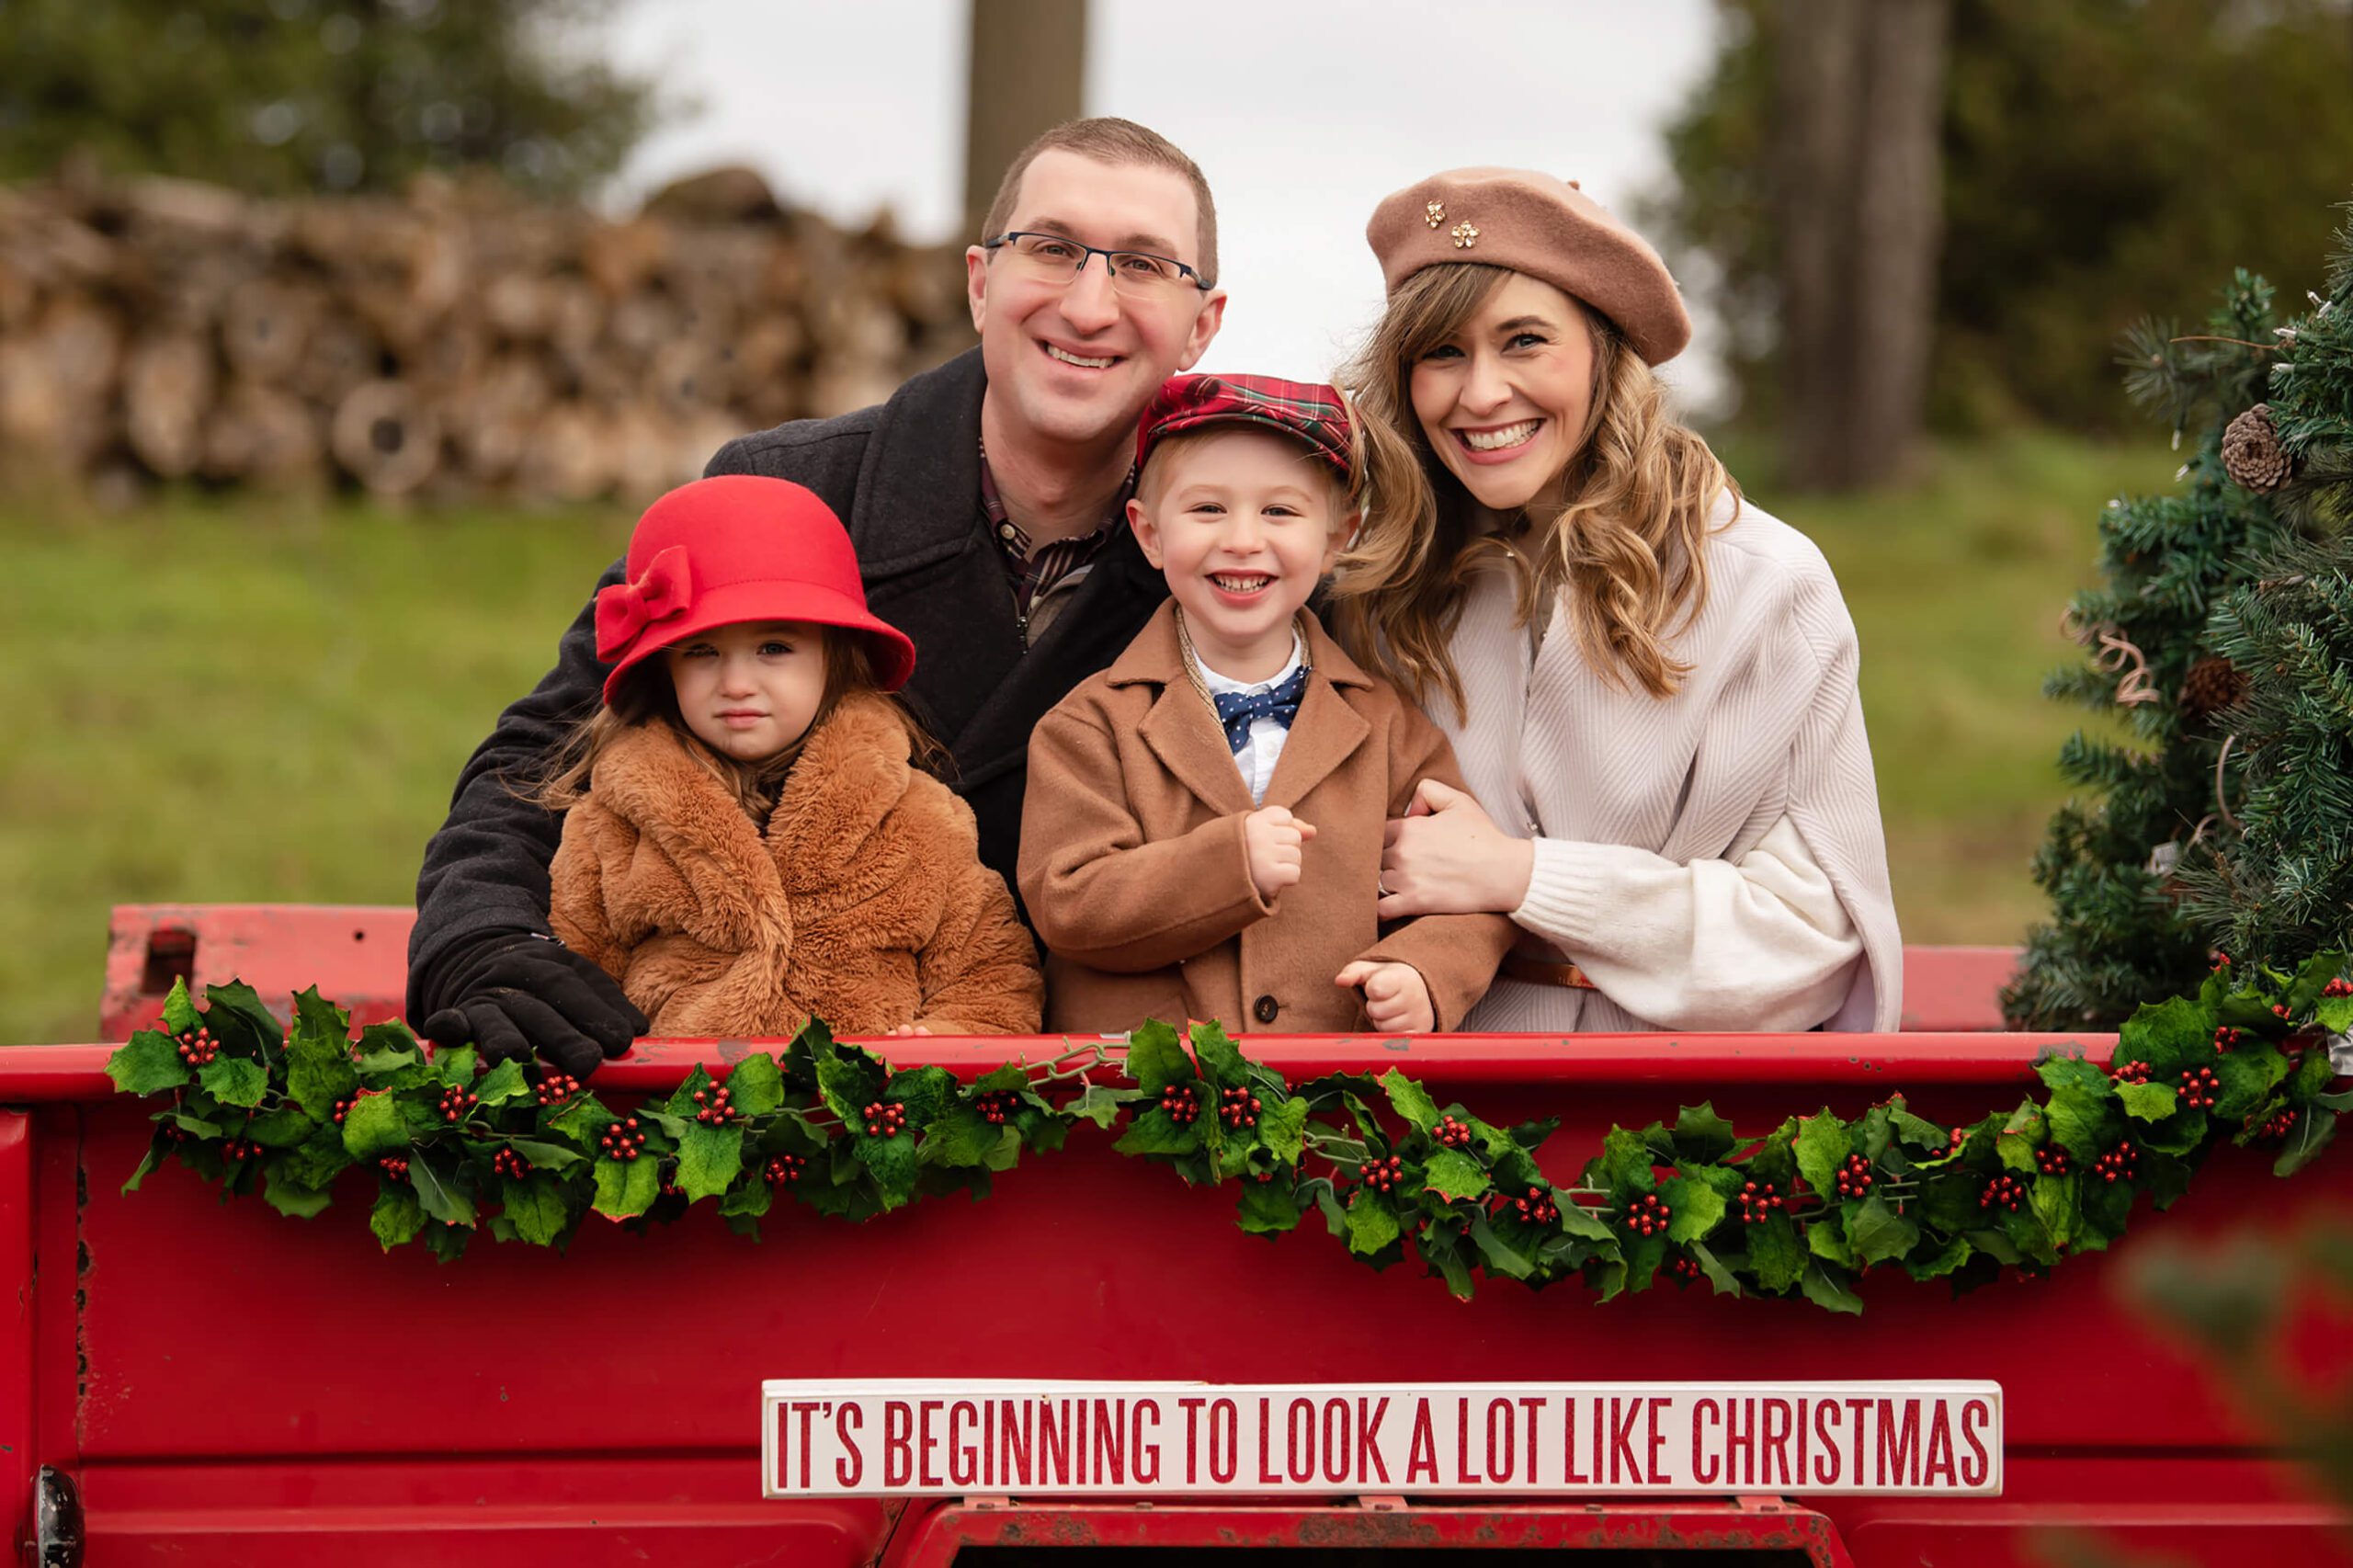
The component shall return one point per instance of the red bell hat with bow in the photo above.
(735, 549)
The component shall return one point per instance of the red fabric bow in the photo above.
(665, 588)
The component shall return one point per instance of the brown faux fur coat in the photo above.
(864, 903)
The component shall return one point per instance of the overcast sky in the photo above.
(1303, 115)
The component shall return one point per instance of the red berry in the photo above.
(2051, 1160)
(1757, 1203)
(1452, 1133)
(2003, 1191)
(1854, 1177)
(2199, 1088)
(785, 1169)
(2131, 1073)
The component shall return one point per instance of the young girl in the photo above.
(747, 842)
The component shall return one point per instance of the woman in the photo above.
(1650, 683)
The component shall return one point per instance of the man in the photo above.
(987, 502)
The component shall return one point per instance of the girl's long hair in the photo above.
(1624, 551)
(647, 695)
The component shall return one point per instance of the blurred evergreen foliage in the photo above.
(2102, 158)
(281, 96)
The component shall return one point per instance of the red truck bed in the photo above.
(223, 1384)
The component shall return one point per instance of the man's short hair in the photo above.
(1111, 141)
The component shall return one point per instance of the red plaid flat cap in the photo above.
(1309, 412)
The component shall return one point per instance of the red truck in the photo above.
(188, 1380)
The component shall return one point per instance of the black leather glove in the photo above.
(517, 994)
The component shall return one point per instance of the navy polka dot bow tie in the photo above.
(1280, 703)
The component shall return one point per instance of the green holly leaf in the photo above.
(1373, 1223)
(1827, 1238)
(149, 1163)
(1220, 1062)
(1876, 1232)
(545, 1156)
(926, 1092)
(147, 1063)
(2102, 1208)
(2147, 1102)
(1823, 1146)
(2168, 1036)
(454, 1067)
(962, 1136)
(747, 1199)
(280, 1128)
(1268, 1208)
(1409, 1099)
(1283, 1129)
(2333, 1013)
(2057, 1202)
(535, 1207)
(1155, 1060)
(1955, 1252)
(1101, 1103)
(396, 1218)
(1153, 1133)
(2181, 1135)
(319, 1158)
(755, 1083)
(1442, 1253)
(892, 1163)
(710, 1159)
(2026, 1231)
(2312, 976)
(1453, 1175)
(1920, 1133)
(1697, 1206)
(437, 1191)
(1722, 1281)
(318, 1056)
(1701, 1135)
(1775, 1253)
(447, 1242)
(1500, 1254)
(292, 1197)
(372, 1125)
(179, 1009)
(234, 1080)
(1829, 1287)
(626, 1187)
(583, 1120)
(2248, 1075)
(1624, 1168)
(237, 1019)
(503, 1082)
(2311, 1134)
(849, 1080)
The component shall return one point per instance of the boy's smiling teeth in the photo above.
(1069, 359)
(1495, 440)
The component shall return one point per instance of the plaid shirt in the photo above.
(1034, 573)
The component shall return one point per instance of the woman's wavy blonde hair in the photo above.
(1622, 550)
(649, 695)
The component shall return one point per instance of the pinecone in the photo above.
(2251, 452)
(2213, 683)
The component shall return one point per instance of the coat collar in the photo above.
(1183, 730)
(919, 485)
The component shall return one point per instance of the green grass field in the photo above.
(232, 702)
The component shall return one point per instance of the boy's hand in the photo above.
(1396, 997)
(907, 1031)
(1272, 838)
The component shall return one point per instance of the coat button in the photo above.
(1264, 1008)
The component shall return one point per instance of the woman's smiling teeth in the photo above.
(1081, 361)
(1504, 436)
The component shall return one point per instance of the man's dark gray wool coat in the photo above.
(904, 476)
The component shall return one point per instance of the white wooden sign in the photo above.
(931, 1437)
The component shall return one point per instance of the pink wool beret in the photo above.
(1545, 227)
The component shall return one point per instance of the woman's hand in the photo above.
(1446, 856)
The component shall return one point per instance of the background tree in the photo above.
(2100, 159)
(279, 97)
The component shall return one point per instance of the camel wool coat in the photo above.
(863, 903)
(1134, 872)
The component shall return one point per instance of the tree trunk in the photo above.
(1858, 202)
(1028, 73)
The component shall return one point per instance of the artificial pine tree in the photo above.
(2118, 934)
(2278, 885)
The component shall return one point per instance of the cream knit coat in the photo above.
(1714, 860)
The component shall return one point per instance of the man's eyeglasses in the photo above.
(1059, 258)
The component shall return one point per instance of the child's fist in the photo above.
(1396, 997)
(1272, 839)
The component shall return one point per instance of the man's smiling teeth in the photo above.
(1233, 584)
(1495, 440)
(1069, 359)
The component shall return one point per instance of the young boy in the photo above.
(1203, 830)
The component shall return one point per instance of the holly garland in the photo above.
(458, 1149)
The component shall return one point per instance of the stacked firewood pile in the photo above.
(454, 343)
